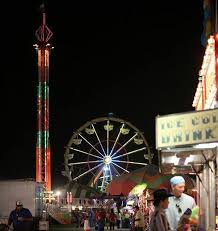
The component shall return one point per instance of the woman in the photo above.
(159, 220)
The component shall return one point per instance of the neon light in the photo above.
(206, 89)
(43, 174)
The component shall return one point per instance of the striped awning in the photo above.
(150, 175)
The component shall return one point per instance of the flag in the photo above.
(209, 20)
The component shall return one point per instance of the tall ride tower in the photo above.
(43, 155)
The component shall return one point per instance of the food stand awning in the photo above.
(149, 174)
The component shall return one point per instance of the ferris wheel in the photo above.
(102, 149)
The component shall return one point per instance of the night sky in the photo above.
(133, 58)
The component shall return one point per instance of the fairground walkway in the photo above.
(71, 228)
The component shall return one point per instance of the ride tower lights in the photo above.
(43, 155)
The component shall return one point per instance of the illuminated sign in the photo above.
(187, 128)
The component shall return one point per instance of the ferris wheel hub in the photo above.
(107, 160)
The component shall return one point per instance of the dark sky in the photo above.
(136, 59)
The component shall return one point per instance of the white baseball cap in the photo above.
(19, 203)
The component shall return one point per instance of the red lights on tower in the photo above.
(43, 155)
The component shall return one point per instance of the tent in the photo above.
(149, 174)
(81, 191)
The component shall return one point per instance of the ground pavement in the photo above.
(71, 228)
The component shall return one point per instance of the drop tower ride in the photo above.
(43, 155)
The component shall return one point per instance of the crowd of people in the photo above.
(101, 217)
(171, 213)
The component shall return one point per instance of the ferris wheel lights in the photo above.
(124, 131)
(108, 127)
(77, 141)
(90, 131)
(138, 141)
(146, 156)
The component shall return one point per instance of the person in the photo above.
(139, 219)
(77, 218)
(100, 219)
(126, 219)
(112, 219)
(91, 217)
(119, 219)
(179, 203)
(86, 223)
(21, 218)
(107, 221)
(159, 220)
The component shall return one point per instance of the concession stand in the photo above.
(187, 144)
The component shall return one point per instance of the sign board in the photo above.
(186, 129)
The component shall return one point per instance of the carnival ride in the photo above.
(103, 148)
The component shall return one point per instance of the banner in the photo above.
(186, 129)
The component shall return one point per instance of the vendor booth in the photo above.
(138, 187)
(187, 144)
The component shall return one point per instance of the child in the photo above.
(159, 220)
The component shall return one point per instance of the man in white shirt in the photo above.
(179, 202)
